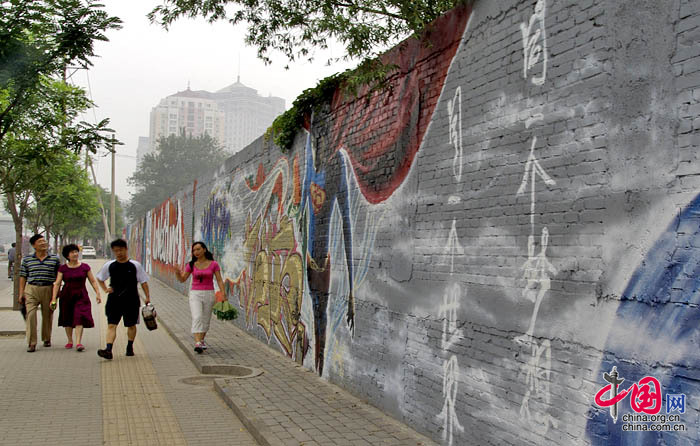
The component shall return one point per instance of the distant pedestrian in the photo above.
(10, 260)
(203, 269)
(36, 277)
(123, 295)
(74, 305)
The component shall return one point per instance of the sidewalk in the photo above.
(11, 323)
(286, 404)
(61, 397)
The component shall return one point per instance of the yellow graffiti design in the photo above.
(271, 287)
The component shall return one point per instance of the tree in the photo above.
(38, 39)
(176, 162)
(66, 203)
(296, 28)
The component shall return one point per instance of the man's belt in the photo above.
(41, 283)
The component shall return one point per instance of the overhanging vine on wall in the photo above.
(370, 73)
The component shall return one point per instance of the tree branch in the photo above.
(368, 10)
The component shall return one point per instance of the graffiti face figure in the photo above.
(325, 185)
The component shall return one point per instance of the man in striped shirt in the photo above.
(36, 277)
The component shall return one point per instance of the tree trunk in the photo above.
(17, 219)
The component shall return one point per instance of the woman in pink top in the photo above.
(203, 269)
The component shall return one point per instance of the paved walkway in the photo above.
(286, 404)
(62, 397)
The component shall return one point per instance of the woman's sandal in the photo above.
(80, 347)
(69, 345)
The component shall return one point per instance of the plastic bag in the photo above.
(224, 311)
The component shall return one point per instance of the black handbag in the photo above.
(148, 312)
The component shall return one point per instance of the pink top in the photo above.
(203, 279)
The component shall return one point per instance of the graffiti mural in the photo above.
(262, 261)
(451, 248)
(355, 142)
(168, 243)
(325, 185)
(135, 237)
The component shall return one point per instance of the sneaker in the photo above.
(69, 345)
(104, 354)
(129, 352)
(47, 343)
(198, 347)
(80, 347)
(204, 345)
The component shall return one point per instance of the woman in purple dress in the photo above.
(75, 308)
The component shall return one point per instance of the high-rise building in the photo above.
(193, 112)
(235, 115)
(247, 114)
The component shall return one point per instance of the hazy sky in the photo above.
(143, 63)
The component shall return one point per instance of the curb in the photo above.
(256, 428)
(183, 347)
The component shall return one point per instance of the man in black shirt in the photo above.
(122, 295)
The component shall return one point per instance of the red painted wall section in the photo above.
(383, 130)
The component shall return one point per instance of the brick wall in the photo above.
(473, 248)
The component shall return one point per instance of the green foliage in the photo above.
(286, 125)
(176, 162)
(38, 38)
(370, 73)
(297, 28)
(64, 200)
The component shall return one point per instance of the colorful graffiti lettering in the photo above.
(168, 242)
(270, 287)
(273, 290)
(216, 224)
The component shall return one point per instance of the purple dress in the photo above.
(73, 299)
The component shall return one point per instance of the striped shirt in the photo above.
(40, 272)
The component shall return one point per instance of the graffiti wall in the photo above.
(499, 247)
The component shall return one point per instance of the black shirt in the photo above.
(123, 277)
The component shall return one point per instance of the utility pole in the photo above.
(113, 206)
(99, 200)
